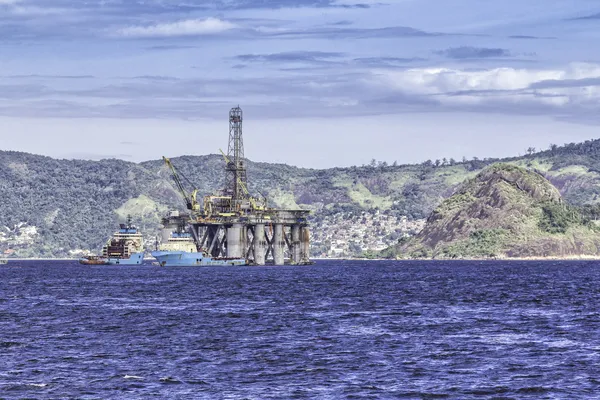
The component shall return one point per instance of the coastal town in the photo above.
(356, 234)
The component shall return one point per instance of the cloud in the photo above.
(571, 90)
(386, 61)
(352, 33)
(566, 83)
(189, 27)
(291, 56)
(33, 20)
(285, 57)
(442, 80)
(34, 11)
(167, 47)
(31, 76)
(468, 52)
(586, 17)
(529, 37)
(342, 23)
(156, 78)
(319, 59)
(21, 9)
(297, 95)
(277, 4)
(567, 90)
(22, 91)
(362, 4)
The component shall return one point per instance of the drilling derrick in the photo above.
(235, 170)
(234, 224)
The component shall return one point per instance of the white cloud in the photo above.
(498, 85)
(189, 27)
(16, 7)
(354, 2)
(37, 11)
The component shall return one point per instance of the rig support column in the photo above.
(236, 241)
(296, 249)
(278, 245)
(260, 244)
(213, 241)
(305, 239)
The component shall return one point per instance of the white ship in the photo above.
(125, 247)
(181, 250)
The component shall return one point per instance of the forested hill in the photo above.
(52, 207)
(505, 211)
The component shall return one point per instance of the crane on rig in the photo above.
(190, 198)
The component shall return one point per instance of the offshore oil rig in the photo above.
(235, 224)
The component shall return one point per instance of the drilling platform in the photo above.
(234, 224)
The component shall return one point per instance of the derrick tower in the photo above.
(233, 224)
(235, 172)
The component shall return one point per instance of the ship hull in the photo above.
(87, 261)
(134, 259)
(187, 259)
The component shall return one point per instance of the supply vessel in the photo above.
(125, 247)
(180, 250)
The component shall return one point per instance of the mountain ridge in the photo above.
(75, 204)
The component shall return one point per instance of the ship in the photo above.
(125, 247)
(180, 250)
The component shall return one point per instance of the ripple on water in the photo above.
(411, 330)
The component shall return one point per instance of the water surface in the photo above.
(338, 329)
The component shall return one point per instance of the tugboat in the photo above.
(93, 260)
(125, 247)
(180, 250)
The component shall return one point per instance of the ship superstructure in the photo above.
(179, 242)
(125, 247)
(180, 251)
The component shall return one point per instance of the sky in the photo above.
(322, 83)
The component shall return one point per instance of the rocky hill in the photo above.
(505, 211)
(52, 207)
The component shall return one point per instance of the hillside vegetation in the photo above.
(505, 211)
(52, 207)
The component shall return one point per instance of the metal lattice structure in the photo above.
(235, 175)
(234, 224)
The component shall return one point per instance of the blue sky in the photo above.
(322, 82)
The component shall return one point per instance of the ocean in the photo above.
(334, 330)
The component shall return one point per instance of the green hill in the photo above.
(505, 211)
(51, 207)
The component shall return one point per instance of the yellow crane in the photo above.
(190, 198)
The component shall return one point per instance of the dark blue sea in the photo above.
(335, 330)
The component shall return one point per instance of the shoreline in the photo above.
(549, 258)
(569, 258)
